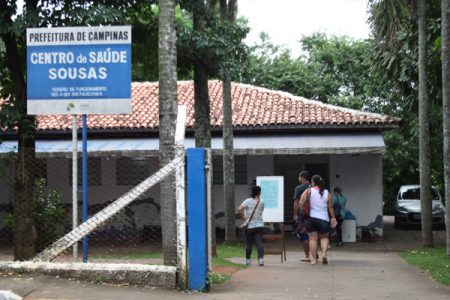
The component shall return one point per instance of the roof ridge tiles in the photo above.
(310, 101)
(253, 107)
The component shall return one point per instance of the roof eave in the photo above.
(239, 130)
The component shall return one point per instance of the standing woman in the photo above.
(251, 211)
(320, 206)
(339, 201)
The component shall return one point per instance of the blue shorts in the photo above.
(302, 236)
(320, 226)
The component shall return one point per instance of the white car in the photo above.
(407, 207)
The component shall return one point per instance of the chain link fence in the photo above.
(132, 235)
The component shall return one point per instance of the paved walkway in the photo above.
(355, 271)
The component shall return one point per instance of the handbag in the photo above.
(306, 207)
(244, 225)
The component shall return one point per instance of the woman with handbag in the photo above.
(316, 203)
(251, 211)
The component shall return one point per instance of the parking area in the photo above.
(407, 238)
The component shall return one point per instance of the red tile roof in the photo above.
(252, 107)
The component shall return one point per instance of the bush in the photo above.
(48, 214)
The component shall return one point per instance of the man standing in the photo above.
(304, 179)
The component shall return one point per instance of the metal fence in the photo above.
(133, 235)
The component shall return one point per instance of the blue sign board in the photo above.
(79, 70)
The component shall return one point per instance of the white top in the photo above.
(319, 205)
(257, 219)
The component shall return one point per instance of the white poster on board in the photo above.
(272, 193)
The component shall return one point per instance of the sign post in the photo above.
(75, 180)
(85, 185)
(79, 70)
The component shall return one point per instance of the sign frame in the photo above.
(272, 193)
(79, 70)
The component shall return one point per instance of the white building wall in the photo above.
(258, 165)
(360, 177)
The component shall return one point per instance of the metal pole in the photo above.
(197, 231)
(75, 180)
(85, 186)
(209, 207)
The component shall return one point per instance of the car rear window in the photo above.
(414, 194)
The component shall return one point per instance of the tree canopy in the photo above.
(379, 74)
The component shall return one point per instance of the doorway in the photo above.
(289, 166)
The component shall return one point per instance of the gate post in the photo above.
(197, 227)
(180, 196)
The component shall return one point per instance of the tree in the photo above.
(331, 69)
(394, 58)
(143, 17)
(167, 57)
(424, 132)
(202, 65)
(445, 27)
(13, 115)
(24, 243)
(228, 13)
(216, 49)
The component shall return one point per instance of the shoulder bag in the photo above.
(244, 225)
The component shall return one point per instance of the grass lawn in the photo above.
(432, 260)
(222, 267)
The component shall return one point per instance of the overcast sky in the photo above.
(287, 20)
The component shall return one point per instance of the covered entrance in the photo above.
(289, 166)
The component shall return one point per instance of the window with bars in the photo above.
(133, 170)
(240, 169)
(94, 171)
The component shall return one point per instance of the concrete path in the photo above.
(355, 271)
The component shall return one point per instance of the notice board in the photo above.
(272, 193)
(79, 70)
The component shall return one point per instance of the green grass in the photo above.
(223, 251)
(223, 262)
(432, 260)
(143, 255)
(218, 278)
(227, 250)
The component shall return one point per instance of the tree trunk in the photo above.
(227, 14)
(24, 230)
(167, 57)
(228, 163)
(424, 132)
(25, 234)
(445, 7)
(201, 94)
(202, 107)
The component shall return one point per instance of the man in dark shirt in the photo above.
(304, 179)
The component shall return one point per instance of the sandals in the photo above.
(305, 259)
(324, 260)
